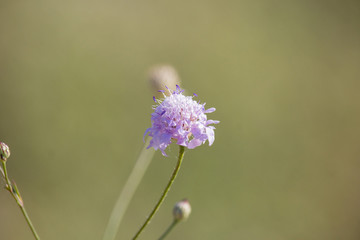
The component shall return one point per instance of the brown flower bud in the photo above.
(163, 75)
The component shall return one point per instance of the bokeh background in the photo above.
(283, 75)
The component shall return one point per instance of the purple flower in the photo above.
(180, 118)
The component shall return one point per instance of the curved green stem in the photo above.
(166, 190)
(14, 191)
(168, 230)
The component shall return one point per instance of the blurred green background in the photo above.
(283, 75)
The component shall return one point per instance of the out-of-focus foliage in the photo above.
(283, 75)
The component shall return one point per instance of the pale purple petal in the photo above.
(211, 135)
(165, 138)
(194, 143)
(163, 152)
(146, 132)
(208, 122)
(210, 110)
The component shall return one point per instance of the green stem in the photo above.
(128, 191)
(166, 190)
(16, 195)
(23, 210)
(5, 173)
(169, 229)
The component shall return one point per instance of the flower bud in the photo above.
(4, 151)
(163, 76)
(182, 210)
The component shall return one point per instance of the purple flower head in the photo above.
(180, 118)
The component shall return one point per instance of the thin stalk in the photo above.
(23, 210)
(16, 195)
(128, 191)
(168, 229)
(166, 190)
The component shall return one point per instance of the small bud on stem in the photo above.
(12, 188)
(4, 151)
(182, 210)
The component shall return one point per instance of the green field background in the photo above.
(284, 77)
